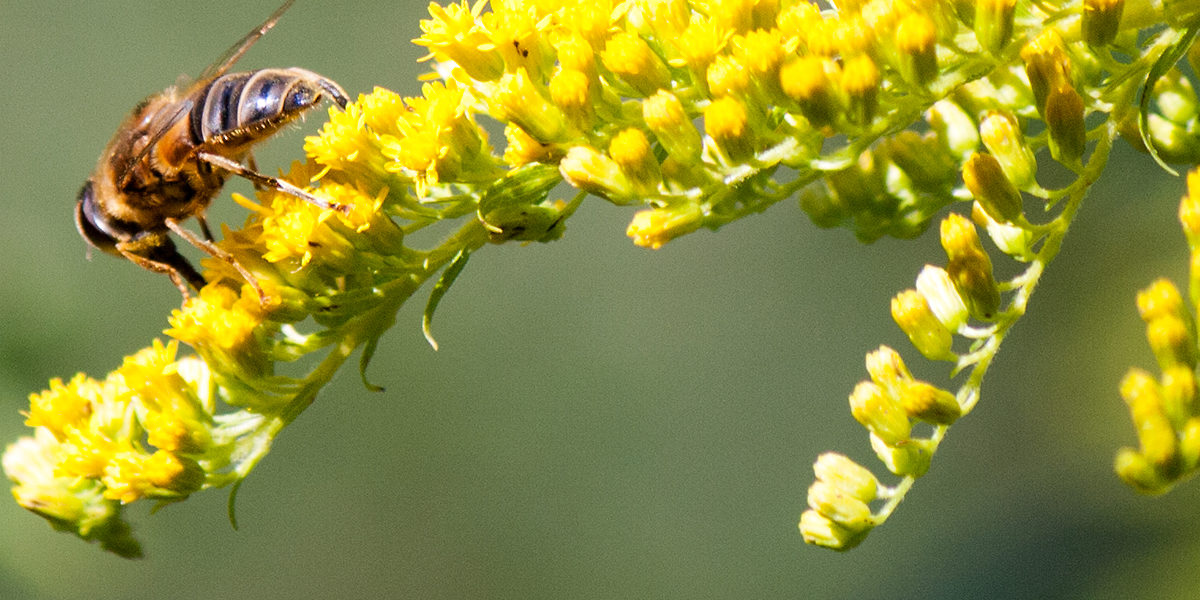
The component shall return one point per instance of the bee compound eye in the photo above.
(88, 221)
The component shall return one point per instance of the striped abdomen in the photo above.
(238, 109)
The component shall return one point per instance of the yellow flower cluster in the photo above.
(145, 431)
(697, 113)
(1164, 410)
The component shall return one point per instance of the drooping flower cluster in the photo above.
(878, 114)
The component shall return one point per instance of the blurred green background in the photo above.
(602, 421)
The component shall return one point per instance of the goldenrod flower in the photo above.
(878, 115)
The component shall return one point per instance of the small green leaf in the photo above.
(439, 290)
(1166, 61)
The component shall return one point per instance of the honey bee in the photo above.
(173, 153)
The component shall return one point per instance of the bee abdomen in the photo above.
(244, 107)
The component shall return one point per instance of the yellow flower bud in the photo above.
(1171, 342)
(916, 39)
(1178, 388)
(664, 115)
(700, 44)
(819, 530)
(1046, 65)
(1155, 434)
(727, 123)
(846, 475)
(860, 80)
(876, 410)
(571, 91)
(985, 179)
(807, 81)
(1003, 138)
(519, 101)
(726, 76)
(522, 149)
(994, 23)
(839, 507)
(885, 367)
(1101, 21)
(630, 58)
(631, 151)
(1189, 208)
(912, 313)
(652, 228)
(1064, 114)
(943, 298)
(929, 403)
(1138, 473)
(1160, 299)
(591, 171)
(575, 54)
(969, 267)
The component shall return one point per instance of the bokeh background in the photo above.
(602, 421)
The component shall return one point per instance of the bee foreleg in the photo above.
(253, 166)
(216, 252)
(265, 180)
(160, 256)
(204, 227)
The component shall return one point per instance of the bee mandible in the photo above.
(173, 153)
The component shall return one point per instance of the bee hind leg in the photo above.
(257, 178)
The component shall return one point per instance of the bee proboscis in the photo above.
(173, 153)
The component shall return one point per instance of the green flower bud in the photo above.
(909, 459)
(1175, 98)
(955, 128)
(822, 207)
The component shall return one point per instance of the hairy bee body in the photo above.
(172, 155)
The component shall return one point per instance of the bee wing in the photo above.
(230, 56)
(214, 70)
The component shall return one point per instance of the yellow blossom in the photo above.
(63, 406)
(630, 58)
(655, 227)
